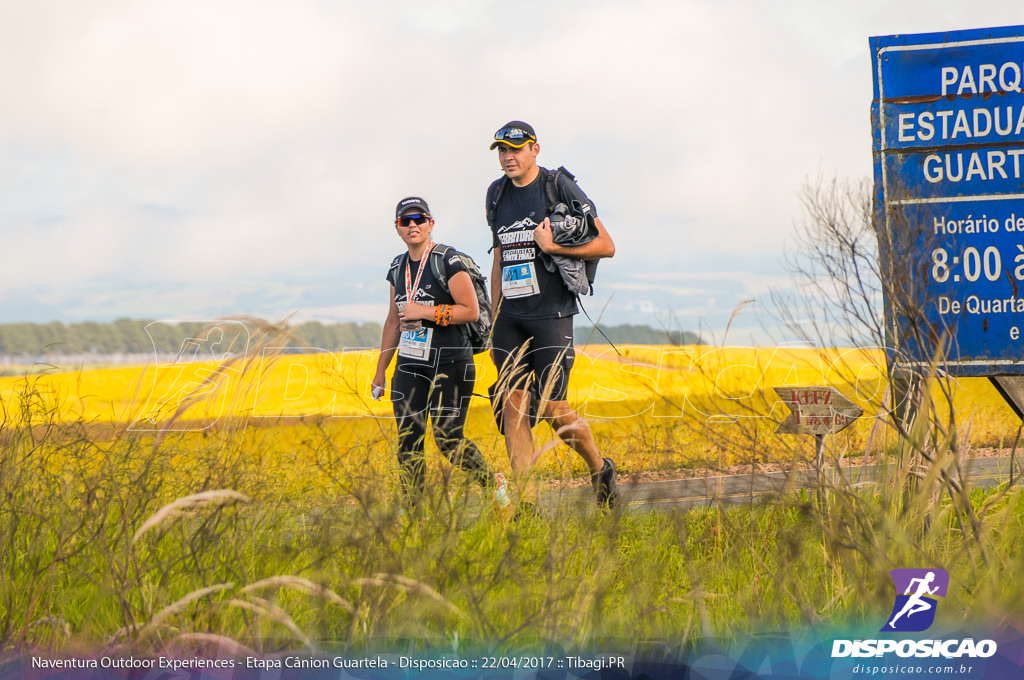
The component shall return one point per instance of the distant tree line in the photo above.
(629, 334)
(139, 336)
(335, 337)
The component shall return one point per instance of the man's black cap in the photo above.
(515, 133)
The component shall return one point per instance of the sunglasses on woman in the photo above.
(409, 220)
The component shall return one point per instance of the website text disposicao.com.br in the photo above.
(902, 669)
(951, 657)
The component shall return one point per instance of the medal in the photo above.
(412, 288)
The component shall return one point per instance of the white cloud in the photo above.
(205, 153)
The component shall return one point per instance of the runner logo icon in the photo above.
(916, 593)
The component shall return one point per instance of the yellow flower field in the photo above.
(652, 406)
(664, 381)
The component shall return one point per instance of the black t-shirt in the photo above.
(451, 341)
(520, 210)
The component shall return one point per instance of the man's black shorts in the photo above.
(548, 357)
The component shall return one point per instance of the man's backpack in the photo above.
(554, 195)
(479, 332)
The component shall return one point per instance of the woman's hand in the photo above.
(378, 384)
(411, 311)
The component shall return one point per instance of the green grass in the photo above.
(317, 554)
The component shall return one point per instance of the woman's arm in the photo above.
(465, 310)
(388, 343)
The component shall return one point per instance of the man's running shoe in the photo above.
(605, 485)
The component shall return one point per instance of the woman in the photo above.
(435, 373)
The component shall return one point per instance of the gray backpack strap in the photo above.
(395, 265)
(437, 266)
(552, 191)
(493, 196)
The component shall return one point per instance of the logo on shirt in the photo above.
(526, 223)
(518, 254)
(424, 298)
(516, 237)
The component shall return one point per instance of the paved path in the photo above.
(760, 487)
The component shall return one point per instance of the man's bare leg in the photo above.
(518, 436)
(571, 428)
(575, 432)
(519, 444)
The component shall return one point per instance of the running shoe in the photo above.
(526, 512)
(500, 493)
(605, 486)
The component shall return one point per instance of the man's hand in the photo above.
(542, 235)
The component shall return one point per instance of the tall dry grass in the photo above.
(235, 538)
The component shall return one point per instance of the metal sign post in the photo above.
(816, 410)
(948, 130)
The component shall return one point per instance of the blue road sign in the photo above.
(948, 129)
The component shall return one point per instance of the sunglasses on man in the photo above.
(513, 134)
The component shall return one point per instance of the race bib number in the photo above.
(519, 280)
(415, 344)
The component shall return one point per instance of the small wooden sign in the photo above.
(816, 410)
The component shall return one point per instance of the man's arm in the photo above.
(600, 247)
(495, 293)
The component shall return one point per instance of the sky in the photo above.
(206, 158)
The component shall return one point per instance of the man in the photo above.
(533, 328)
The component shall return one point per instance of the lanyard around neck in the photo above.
(413, 287)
